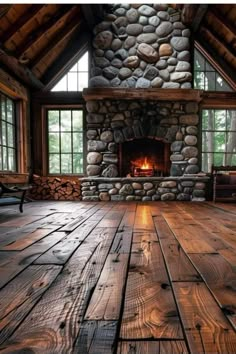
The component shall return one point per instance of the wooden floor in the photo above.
(126, 278)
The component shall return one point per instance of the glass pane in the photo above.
(5, 162)
(11, 160)
(207, 162)
(78, 163)
(234, 160)
(198, 61)
(231, 120)
(61, 85)
(9, 110)
(3, 106)
(210, 81)
(209, 67)
(220, 119)
(4, 133)
(231, 142)
(74, 68)
(219, 142)
(65, 121)
(72, 81)
(209, 142)
(10, 135)
(77, 120)
(53, 121)
(221, 84)
(218, 159)
(77, 142)
(83, 62)
(54, 163)
(66, 163)
(53, 142)
(199, 80)
(83, 81)
(66, 142)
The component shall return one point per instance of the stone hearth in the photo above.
(114, 118)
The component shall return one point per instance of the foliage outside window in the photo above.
(7, 134)
(65, 141)
(77, 77)
(206, 77)
(218, 138)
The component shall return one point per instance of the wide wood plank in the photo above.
(149, 309)
(16, 262)
(20, 295)
(152, 347)
(178, 264)
(220, 278)
(65, 303)
(96, 337)
(122, 241)
(206, 327)
(105, 303)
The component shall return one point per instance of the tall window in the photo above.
(65, 141)
(76, 79)
(206, 77)
(7, 134)
(218, 138)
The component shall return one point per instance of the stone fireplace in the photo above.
(129, 129)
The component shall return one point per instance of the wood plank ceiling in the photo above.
(37, 41)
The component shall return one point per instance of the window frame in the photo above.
(45, 132)
(14, 125)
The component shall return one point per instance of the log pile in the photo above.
(55, 188)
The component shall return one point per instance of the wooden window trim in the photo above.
(44, 109)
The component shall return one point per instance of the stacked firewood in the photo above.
(55, 188)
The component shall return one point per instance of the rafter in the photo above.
(47, 26)
(28, 16)
(221, 21)
(4, 9)
(20, 71)
(56, 40)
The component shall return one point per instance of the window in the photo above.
(206, 77)
(65, 141)
(7, 134)
(218, 138)
(76, 79)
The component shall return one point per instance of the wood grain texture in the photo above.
(220, 277)
(206, 327)
(106, 300)
(65, 302)
(96, 337)
(15, 263)
(152, 347)
(122, 242)
(19, 296)
(149, 309)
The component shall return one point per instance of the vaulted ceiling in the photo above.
(39, 41)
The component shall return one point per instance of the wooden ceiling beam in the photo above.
(222, 21)
(4, 9)
(64, 11)
(224, 48)
(56, 40)
(217, 61)
(20, 71)
(193, 14)
(22, 20)
(75, 48)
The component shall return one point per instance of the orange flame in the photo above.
(145, 165)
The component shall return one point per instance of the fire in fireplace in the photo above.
(144, 158)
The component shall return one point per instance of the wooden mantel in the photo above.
(144, 94)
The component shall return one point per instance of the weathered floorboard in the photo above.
(152, 347)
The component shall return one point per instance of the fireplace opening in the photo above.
(144, 158)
